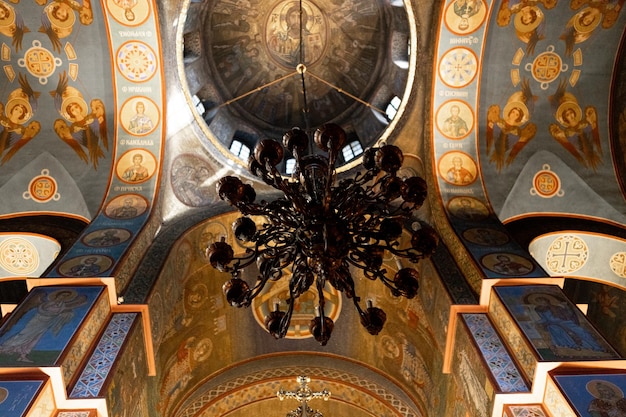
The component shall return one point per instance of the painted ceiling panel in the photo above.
(550, 96)
(56, 99)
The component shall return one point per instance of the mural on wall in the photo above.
(554, 326)
(188, 347)
(58, 19)
(191, 180)
(127, 392)
(606, 310)
(75, 73)
(17, 396)
(594, 394)
(42, 325)
(400, 356)
(181, 368)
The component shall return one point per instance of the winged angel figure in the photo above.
(80, 128)
(58, 18)
(51, 313)
(12, 25)
(510, 131)
(20, 107)
(576, 132)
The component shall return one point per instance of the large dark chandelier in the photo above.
(322, 227)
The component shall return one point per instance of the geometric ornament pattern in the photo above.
(260, 379)
(500, 364)
(618, 264)
(566, 254)
(525, 411)
(95, 372)
(18, 256)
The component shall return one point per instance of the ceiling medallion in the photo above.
(322, 227)
(303, 395)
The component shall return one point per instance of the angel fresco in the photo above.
(12, 25)
(576, 131)
(52, 312)
(510, 131)
(580, 28)
(81, 128)
(509, 8)
(58, 19)
(20, 107)
(610, 9)
(530, 27)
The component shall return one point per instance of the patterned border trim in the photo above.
(193, 409)
(524, 411)
(523, 353)
(500, 363)
(103, 357)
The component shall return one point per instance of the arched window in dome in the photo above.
(240, 149)
(198, 103)
(352, 150)
(392, 107)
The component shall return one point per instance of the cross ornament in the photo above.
(303, 395)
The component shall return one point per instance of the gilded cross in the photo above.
(303, 395)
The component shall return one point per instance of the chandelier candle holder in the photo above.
(303, 395)
(322, 227)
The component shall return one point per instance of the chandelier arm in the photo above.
(391, 285)
(378, 180)
(252, 209)
(368, 271)
(242, 262)
(273, 259)
(349, 200)
(373, 275)
(320, 284)
(283, 185)
(365, 178)
(355, 301)
(286, 320)
(403, 210)
(281, 213)
(412, 254)
(276, 242)
(277, 180)
(258, 287)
